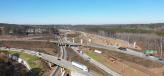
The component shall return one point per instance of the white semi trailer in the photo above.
(81, 66)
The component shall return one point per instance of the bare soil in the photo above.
(127, 65)
(46, 47)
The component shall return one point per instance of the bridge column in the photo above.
(49, 64)
(62, 71)
(134, 45)
(90, 40)
(81, 41)
(73, 40)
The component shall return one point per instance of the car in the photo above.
(122, 48)
(160, 59)
(59, 59)
(156, 58)
(39, 53)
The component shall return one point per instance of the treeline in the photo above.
(157, 29)
(147, 36)
(15, 29)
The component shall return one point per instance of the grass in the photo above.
(75, 57)
(129, 58)
(94, 56)
(33, 61)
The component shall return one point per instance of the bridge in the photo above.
(63, 63)
(56, 42)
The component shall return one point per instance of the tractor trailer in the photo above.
(80, 66)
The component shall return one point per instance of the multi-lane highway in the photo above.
(62, 55)
(129, 52)
(66, 64)
(63, 63)
(98, 64)
(52, 59)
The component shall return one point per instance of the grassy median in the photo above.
(94, 56)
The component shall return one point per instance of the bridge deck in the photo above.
(63, 63)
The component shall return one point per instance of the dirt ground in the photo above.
(107, 41)
(128, 65)
(45, 47)
(74, 57)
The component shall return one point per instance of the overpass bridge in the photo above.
(69, 44)
(63, 63)
(51, 59)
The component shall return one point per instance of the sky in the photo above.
(81, 11)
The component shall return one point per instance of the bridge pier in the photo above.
(62, 71)
(81, 41)
(73, 40)
(50, 65)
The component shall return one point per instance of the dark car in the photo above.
(122, 48)
(59, 59)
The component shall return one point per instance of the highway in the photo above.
(52, 59)
(111, 48)
(62, 55)
(98, 64)
(129, 52)
(63, 63)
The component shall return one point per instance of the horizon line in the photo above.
(84, 24)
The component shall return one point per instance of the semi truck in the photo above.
(80, 66)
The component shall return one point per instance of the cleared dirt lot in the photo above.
(45, 47)
(125, 64)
